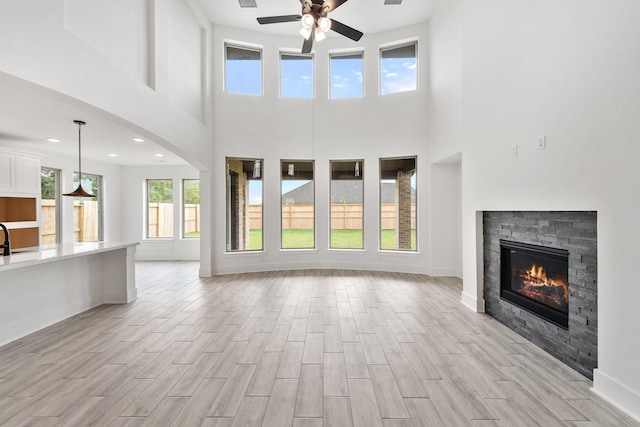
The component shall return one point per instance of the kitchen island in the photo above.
(42, 286)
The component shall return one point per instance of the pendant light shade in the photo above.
(79, 191)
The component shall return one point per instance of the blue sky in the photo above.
(398, 75)
(346, 78)
(296, 78)
(244, 76)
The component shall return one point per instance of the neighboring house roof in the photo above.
(348, 191)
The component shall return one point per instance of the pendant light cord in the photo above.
(80, 152)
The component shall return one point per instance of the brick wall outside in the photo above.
(403, 216)
(576, 232)
(243, 204)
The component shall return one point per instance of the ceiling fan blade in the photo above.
(346, 30)
(333, 4)
(392, 1)
(278, 19)
(248, 3)
(308, 43)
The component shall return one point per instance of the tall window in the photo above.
(191, 208)
(346, 76)
(298, 204)
(296, 76)
(398, 204)
(347, 204)
(244, 204)
(50, 200)
(398, 69)
(243, 70)
(159, 208)
(87, 213)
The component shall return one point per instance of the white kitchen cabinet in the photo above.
(27, 175)
(7, 172)
(19, 174)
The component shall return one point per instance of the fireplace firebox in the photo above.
(536, 278)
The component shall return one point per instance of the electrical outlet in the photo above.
(542, 142)
(514, 151)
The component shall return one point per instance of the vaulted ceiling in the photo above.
(368, 16)
(29, 115)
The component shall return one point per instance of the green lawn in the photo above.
(293, 239)
(192, 235)
(255, 239)
(346, 239)
(389, 240)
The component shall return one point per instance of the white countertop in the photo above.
(27, 257)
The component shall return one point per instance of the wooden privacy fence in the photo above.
(160, 220)
(191, 219)
(48, 221)
(343, 216)
(85, 221)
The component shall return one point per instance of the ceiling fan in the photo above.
(315, 22)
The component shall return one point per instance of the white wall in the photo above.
(321, 129)
(134, 218)
(36, 46)
(46, 42)
(445, 222)
(121, 37)
(567, 70)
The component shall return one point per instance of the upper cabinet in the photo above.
(19, 174)
(7, 172)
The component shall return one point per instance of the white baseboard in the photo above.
(160, 256)
(472, 302)
(255, 268)
(444, 272)
(616, 393)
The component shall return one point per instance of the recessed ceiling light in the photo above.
(138, 139)
(159, 155)
(54, 140)
(113, 155)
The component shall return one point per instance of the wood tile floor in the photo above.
(299, 348)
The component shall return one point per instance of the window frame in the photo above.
(315, 217)
(361, 176)
(146, 234)
(184, 208)
(228, 206)
(313, 73)
(100, 200)
(57, 173)
(338, 54)
(380, 202)
(397, 45)
(243, 46)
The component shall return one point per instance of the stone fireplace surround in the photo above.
(575, 231)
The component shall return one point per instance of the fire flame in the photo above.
(538, 273)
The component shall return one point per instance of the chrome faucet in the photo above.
(6, 245)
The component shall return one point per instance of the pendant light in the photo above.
(79, 191)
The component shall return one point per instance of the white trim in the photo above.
(617, 394)
(472, 303)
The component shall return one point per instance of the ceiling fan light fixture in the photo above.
(324, 23)
(308, 21)
(305, 32)
(320, 35)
